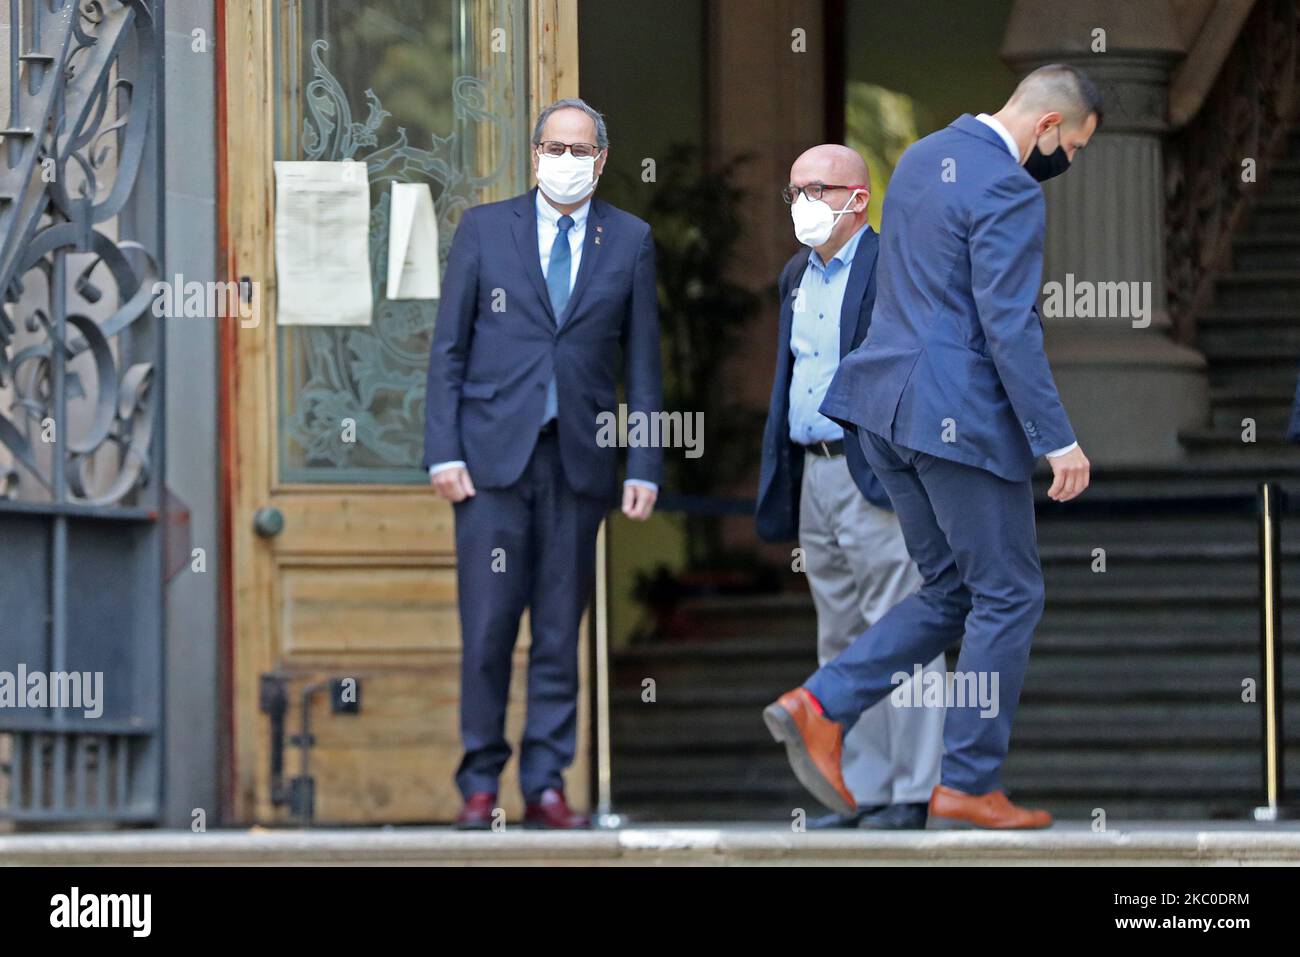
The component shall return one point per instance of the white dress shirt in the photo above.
(1014, 150)
(548, 227)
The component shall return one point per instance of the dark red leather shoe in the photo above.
(476, 814)
(552, 812)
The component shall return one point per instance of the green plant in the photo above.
(695, 214)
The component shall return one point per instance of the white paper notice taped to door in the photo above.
(412, 243)
(322, 244)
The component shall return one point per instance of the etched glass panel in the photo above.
(422, 91)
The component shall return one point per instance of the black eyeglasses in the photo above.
(814, 190)
(556, 148)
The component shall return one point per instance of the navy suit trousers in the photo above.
(532, 544)
(972, 537)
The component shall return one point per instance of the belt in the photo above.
(826, 450)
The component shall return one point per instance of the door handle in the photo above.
(268, 521)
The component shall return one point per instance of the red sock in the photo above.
(816, 704)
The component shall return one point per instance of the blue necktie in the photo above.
(558, 273)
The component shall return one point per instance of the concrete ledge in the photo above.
(653, 846)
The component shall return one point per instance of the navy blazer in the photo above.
(781, 474)
(954, 364)
(496, 346)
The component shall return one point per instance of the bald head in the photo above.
(836, 176)
(830, 163)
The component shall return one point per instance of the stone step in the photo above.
(1284, 178)
(654, 731)
(1230, 337)
(1239, 371)
(1270, 442)
(1262, 289)
(1054, 678)
(760, 835)
(1071, 811)
(1237, 636)
(1275, 214)
(1267, 251)
(1271, 415)
(1206, 773)
(1246, 352)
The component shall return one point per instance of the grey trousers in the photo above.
(858, 568)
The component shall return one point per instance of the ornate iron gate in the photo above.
(81, 464)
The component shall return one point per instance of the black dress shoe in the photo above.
(896, 817)
(828, 821)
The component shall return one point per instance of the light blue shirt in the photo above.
(815, 342)
(548, 227)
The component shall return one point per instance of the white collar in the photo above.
(1001, 130)
(549, 215)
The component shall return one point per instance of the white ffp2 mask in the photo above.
(814, 220)
(566, 179)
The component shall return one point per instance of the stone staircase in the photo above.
(1251, 333)
(1132, 702)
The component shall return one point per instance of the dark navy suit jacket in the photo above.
(953, 364)
(496, 345)
(781, 474)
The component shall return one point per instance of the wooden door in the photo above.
(323, 425)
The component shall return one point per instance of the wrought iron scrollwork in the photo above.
(1246, 115)
(69, 161)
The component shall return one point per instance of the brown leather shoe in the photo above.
(955, 810)
(552, 812)
(476, 813)
(812, 745)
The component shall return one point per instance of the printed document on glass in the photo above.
(322, 244)
(412, 243)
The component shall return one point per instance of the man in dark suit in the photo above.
(953, 402)
(817, 487)
(543, 295)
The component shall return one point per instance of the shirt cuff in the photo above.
(644, 484)
(443, 466)
(1059, 452)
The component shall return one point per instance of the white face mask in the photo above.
(566, 179)
(813, 221)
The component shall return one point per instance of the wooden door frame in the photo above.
(245, 230)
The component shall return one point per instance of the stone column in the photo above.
(766, 102)
(1128, 387)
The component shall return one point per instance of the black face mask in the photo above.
(1044, 166)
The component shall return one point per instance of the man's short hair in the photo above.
(1061, 88)
(572, 103)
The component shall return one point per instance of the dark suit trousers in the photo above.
(530, 545)
(972, 537)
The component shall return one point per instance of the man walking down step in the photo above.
(954, 401)
(818, 487)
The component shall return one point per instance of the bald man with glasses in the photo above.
(817, 487)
